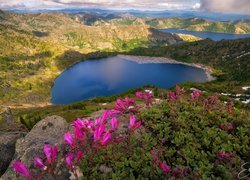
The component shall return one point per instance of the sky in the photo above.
(224, 6)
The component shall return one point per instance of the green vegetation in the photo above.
(42, 45)
(195, 24)
(186, 135)
(230, 58)
(30, 116)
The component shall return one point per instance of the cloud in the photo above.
(236, 6)
(116, 4)
(230, 6)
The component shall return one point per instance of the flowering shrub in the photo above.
(125, 106)
(146, 96)
(194, 141)
(229, 127)
(88, 138)
(196, 94)
(225, 157)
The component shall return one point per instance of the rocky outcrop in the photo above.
(7, 148)
(48, 131)
(10, 132)
(9, 124)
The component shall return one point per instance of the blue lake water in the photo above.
(211, 35)
(113, 75)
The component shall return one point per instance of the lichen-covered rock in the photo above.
(7, 148)
(48, 131)
(9, 124)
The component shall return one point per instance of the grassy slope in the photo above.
(229, 57)
(188, 136)
(196, 24)
(35, 48)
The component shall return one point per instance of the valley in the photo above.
(169, 94)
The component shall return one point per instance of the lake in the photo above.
(203, 34)
(114, 75)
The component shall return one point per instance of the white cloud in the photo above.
(239, 6)
(236, 6)
(197, 6)
(118, 4)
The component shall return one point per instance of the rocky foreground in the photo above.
(25, 146)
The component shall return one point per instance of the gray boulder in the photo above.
(7, 148)
(48, 131)
(9, 124)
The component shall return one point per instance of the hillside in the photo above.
(191, 131)
(195, 24)
(42, 45)
(166, 134)
(230, 57)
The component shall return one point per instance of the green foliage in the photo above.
(195, 24)
(228, 57)
(192, 137)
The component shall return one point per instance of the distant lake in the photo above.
(211, 35)
(113, 75)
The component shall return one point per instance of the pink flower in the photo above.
(39, 162)
(79, 155)
(146, 96)
(196, 94)
(139, 95)
(133, 124)
(69, 158)
(78, 123)
(78, 133)
(225, 157)
(105, 116)
(132, 121)
(114, 123)
(165, 168)
(88, 124)
(106, 138)
(129, 101)
(20, 167)
(124, 106)
(68, 139)
(137, 125)
(98, 132)
(97, 122)
(50, 153)
(172, 95)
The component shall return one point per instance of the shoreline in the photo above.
(163, 60)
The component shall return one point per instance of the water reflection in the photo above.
(113, 75)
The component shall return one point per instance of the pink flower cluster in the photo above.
(229, 127)
(177, 94)
(126, 105)
(172, 95)
(225, 157)
(146, 96)
(88, 136)
(196, 94)
(164, 167)
(46, 165)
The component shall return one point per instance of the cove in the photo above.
(113, 75)
(215, 36)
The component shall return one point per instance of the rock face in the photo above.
(7, 148)
(49, 130)
(10, 132)
(9, 124)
